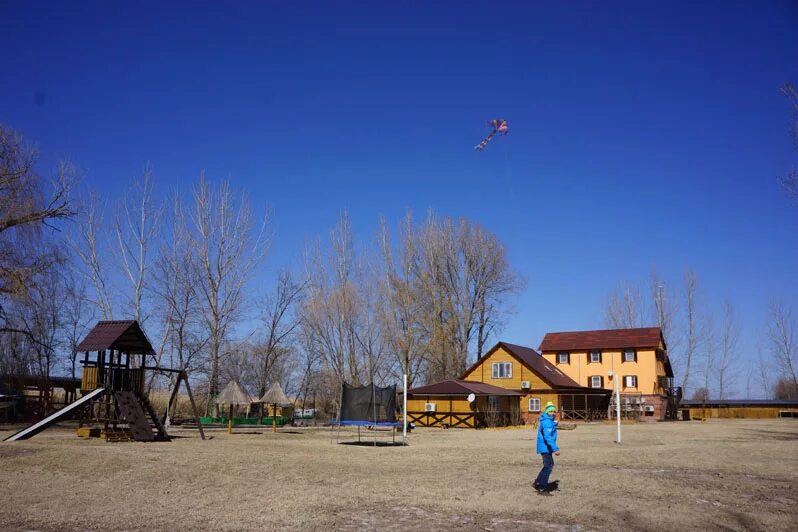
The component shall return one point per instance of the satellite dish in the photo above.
(471, 397)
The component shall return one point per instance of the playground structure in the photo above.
(113, 403)
(119, 366)
(35, 396)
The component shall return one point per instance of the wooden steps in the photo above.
(154, 420)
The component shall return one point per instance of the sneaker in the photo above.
(536, 486)
(545, 493)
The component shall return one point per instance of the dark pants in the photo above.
(543, 477)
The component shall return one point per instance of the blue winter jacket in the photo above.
(547, 435)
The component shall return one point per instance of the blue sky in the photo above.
(641, 134)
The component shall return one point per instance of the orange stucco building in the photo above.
(635, 360)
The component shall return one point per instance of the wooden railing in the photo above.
(442, 419)
(114, 379)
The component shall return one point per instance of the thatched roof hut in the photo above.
(233, 394)
(274, 396)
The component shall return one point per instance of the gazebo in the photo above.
(233, 395)
(274, 396)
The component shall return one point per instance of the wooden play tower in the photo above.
(115, 368)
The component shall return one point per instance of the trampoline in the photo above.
(370, 406)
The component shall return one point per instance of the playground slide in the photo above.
(36, 428)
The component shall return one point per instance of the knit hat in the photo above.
(550, 408)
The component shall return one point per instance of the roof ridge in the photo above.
(532, 358)
(518, 345)
(607, 330)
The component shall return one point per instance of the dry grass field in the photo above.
(718, 475)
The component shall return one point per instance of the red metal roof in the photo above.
(540, 365)
(121, 335)
(531, 359)
(603, 339)
(461, 387)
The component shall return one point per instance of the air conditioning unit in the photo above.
(525, 385)
(429, 407)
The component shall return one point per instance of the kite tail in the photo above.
(481, 145)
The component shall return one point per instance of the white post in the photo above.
(615, 377)
(618, 408)
(617, 403)
(404, 409)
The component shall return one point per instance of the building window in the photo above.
(595, 356)
(502, 370)
(534, 404)
(629, 355)
(630, 381)
(563, 357)
(596, 381)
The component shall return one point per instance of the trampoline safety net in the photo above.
(368, 403)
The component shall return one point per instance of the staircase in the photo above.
(155, 421)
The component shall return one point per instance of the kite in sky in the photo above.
(499, 126)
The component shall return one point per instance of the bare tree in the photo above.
(26, 206)
(727, 350)
(281, 319)
(331, 314)
(177, 301)
(489, 280)
(90, 249)
(665, 310)
(783, 342)
(790, 181)
(402, 299)
(467, 279)
(229, 246)
(136, 225)
(23, 199)
(693, 334)
(701, 394)
(371, 339)
(430, 302)
(77, 317)
(785, 388)
(625, 308)
(239, 364)
(763, 372)
(438, 267)
(309, 366)
(41, 317)
(710, 346)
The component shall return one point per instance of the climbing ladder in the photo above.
(138, 413)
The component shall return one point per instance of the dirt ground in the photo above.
(718, 475)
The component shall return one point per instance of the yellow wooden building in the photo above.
(459, 403)
(522, 368)
(637, 358)
(509, 385)
(738, 409)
